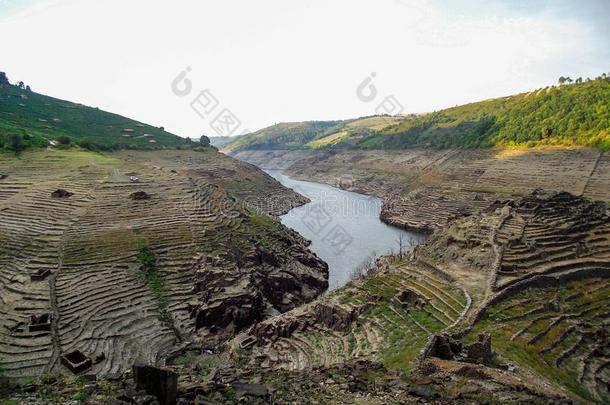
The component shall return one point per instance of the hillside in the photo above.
(37, 119)
(126, 271)
(569, 115)
(576, 114)
(312, 134)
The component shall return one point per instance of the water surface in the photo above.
(344, 227)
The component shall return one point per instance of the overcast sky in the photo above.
(270, 61)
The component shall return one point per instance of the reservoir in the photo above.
(344, 227)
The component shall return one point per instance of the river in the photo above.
(344, 227)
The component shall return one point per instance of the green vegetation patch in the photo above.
(406, 331)
(576, 114)
(153, 278)
(32, 120)
(557, 332)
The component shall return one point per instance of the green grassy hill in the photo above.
(574, 114)
(312, 134)
(36, 119)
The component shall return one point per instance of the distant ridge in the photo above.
(569, 115)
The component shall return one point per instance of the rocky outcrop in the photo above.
(266, 282)
(61, 193)
(160, 383)
(139, 196)
(447, 347)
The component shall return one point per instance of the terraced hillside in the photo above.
(139, 268)
(547, 316)
(537, 268)
(388, 317)
(559, 330)
(453, 320)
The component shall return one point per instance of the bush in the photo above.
(63, 140)
(153, 277)
(87, 144)
(15, 143)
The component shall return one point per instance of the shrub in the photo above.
(87, 144)
(63, 140)
(15, 143)
(155, 281)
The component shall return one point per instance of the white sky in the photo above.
(270, 61)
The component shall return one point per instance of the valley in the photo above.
(168, 272)
(423, 189)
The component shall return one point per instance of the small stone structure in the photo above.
(40, 275)
(76, 361)
(480, 351)
(446, 347)
(336, 317)
(155, 381)
(40, 323)
(408, 297)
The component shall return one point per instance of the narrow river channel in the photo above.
(344, 227)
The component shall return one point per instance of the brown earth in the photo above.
(508, 301)
(223, 264)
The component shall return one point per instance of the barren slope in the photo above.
(222, 264)
(424, 189)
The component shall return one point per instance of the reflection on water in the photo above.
(344, 227)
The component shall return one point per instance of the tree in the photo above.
(561, 80)
(21, 85)
(204, 141)
(400, 241)
(3, 79)
(579, 80)
(15, 143)
(28, 88)
(569, 80)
